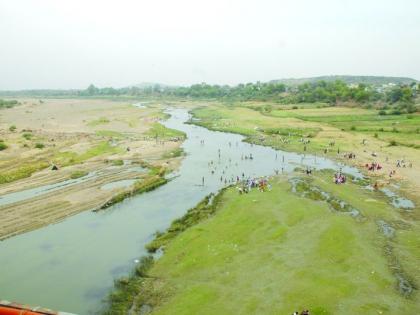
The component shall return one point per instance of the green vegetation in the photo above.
(134, 288)
(78, 174)
(161, 132)
(99, 121)
(12, 128)
(7, 103)
(203, 210)
(117, 162)
(39, 145)
(284, 128)
(70, 158)
(3, 146)
(22, 171)
(140, 186)
(277, 252)
(126, 289)
(27, 135)
(174, 153)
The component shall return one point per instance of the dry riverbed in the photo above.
(97, 146)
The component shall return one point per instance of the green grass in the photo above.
(70, 158)
(78, 174)
(117, 162)
(27, 135)
(3, 146)
(140, 186)
(277, 252)
(23, 171)
(173, 153)
(161, 132)
(99, 121)
(272, 127)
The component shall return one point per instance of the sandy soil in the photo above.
(71, 126)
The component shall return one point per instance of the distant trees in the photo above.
(331, 92)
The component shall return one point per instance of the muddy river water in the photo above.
(70, 266)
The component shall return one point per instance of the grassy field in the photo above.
(311, 129)
(281, 251)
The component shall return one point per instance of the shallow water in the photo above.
(398, 201)
(37, 191)
(70, 266)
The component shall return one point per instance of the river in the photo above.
(70, 266)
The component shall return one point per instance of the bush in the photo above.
(117, 162)
(78, 174)
(12, 128)
(39, 145)
(382, 112)
(3, 146)
(393, 143)
(27, 135)
(294, 107)
(353, 128)
(376, 135)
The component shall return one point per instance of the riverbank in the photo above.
(280, 251)
(330, 132)
(57, 167)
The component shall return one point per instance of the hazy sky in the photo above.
(69, 44)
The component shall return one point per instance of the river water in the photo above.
(70, 266)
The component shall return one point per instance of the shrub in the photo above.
(295, 107)
(353, 128)
(39, 145)
(78, 174)
(382, 112)
(393, 143)
(3, 146)
(12, 128)
(117, 162)
(376, 135)
(27, 135)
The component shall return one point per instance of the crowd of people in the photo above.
(245, 186)
(339, 178)
(374, 166)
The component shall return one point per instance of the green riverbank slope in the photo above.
(292, 248)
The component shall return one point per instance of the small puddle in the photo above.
(386, 228)
(398, 201)
(305, 189)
